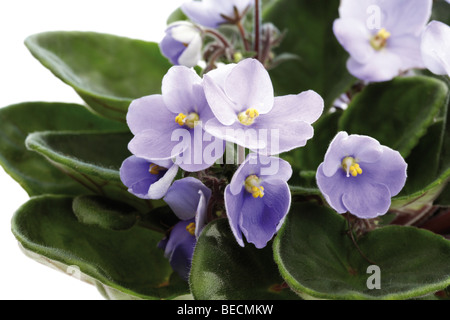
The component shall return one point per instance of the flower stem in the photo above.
(352, 237)
(257, 30)
(219, 37)
(243, 36)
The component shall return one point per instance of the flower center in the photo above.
(191, 228)
(350, 166)
(379, 40)
(155, 169)
(190, 120)
(252, 185)
(248, 117)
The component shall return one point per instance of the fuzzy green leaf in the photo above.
(317, 258)
(34, 173)
(122, 264)
(107, 71)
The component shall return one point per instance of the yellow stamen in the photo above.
(180, 119)
(379, 40)
(155, 169)
(191, 228)
(252, 185)
(350, 166)
(190, 120)
(248, 117)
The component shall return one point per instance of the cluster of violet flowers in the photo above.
(183, 150)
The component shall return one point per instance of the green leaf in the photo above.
(122, 264)
(317, 258)
(103, 212)
(322, 63)
(107, 71)
(92, 159)
(177, 15)
(396, 113)
(426, 179)
(428, 167)
(34, 173)
(441, 11)
(233, 272)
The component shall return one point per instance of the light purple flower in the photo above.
(182, 44)
(188, 198)
(360, 176)
(382, 37)
(171, 125)
(246, 112)
(436, 48)
(258, 199)
(145, 179)
(213, 13)
(179, 247)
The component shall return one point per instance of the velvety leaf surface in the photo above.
(107, 71)
(92, 159)
(396, 113)
(33, 172)
(103, 212)
(122, 264)
(221, 269)
(428, 165)
(317, 257)
(322, 63)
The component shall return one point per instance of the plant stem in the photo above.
(244, 38)
(350, 232)
(257, 44)
(219, 37)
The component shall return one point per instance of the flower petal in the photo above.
(259, 223)
(159, 188)
(331, 188)
(354, 36)
(223, 108)
(288, 125)
(179, 248)
(171, 49)
(201, 152)
(157, 145)
(177, 89)
(135, 174)
(201, 214)
(406, 16)
(233, 205)
(237, 133)
(277, 197)
(366, 199)
(201, 14)
(383, 66)
(390, 170)
(183, 197)
(435, 48)
(408, 48)
(150, 112)
(249, 86)
(193, 53)
(362, 148)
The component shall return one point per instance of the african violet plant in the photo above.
(262, 150)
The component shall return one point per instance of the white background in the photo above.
(22, 78)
